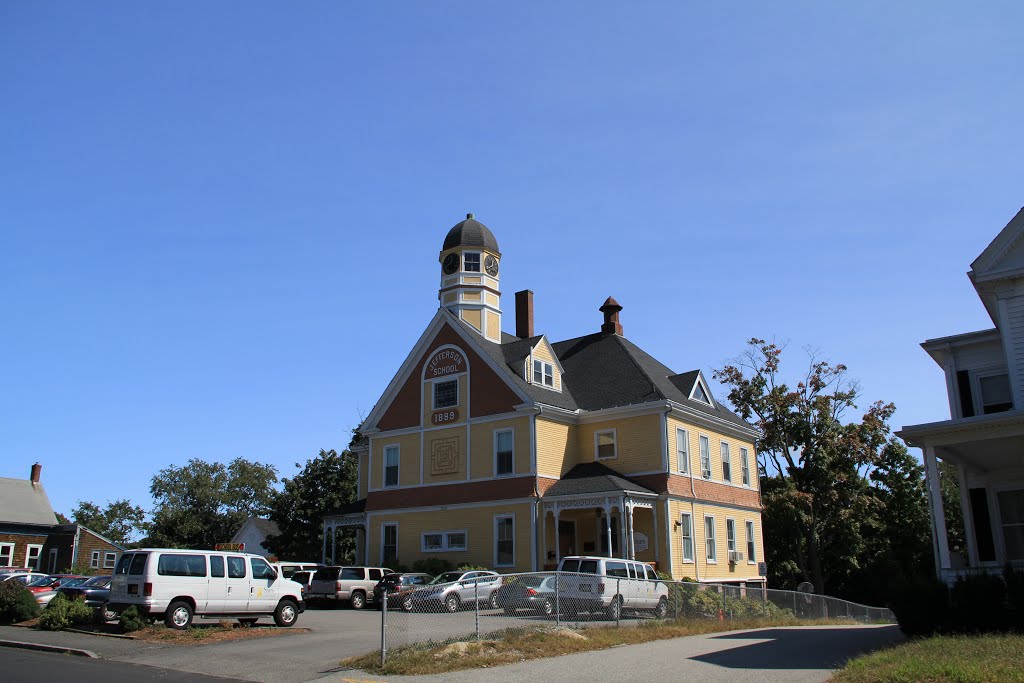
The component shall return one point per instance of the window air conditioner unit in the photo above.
(735, 556)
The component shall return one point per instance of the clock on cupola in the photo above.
(470, 261)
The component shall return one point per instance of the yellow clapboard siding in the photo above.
(722, 570)
(482, 435)
(638, 443)
(714, 444)
(556, 448)
(409, 459)
(543, 351)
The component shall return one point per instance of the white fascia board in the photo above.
(711, 422)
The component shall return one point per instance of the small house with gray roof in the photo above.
(514, 450)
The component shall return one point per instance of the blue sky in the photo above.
(220, 221)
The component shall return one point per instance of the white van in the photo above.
(175, 585)
(611, 585)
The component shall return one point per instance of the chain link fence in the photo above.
(476, 606)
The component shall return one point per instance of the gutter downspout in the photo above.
(74, 545)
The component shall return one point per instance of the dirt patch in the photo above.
(197, 634)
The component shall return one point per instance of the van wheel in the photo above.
(286, 614)
(358, 600)
(451, 603)
(614, 610)
(661, 611)
(178, 615)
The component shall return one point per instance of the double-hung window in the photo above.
(391, 460)
(504, 459)
(1011, 513)
(751, 547)
(686, 529)
(446, 394)
(94, 559)
(726, 463)
(6, 554)
(705, 457)
(683, 451)
(32, 554)
(543, 373)
(504, 541)
(709, 539)
(995, 394)
(730, 534)
(745, 465)
(389, 545)
(443, 541)
(109, 560)
(604, 444)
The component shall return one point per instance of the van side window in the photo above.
(616, 569)
(570, 565)
(217, 566)
(376, 574)
(138, 564)
(122, 564)
(236, 567)
(351, 573)
(632, 571)
(181, 565)
(651, 574)
(588, 566)
(260, 569)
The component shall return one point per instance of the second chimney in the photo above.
(36, 469)
(524, 314)
(611, 309)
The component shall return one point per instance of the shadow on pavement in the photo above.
(801, 648)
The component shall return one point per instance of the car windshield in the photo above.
(42, 581)
(447, 577)
(532, 581)
(97, 582)
(71, 583)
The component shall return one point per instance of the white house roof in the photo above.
(23, 502)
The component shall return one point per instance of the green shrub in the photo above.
(16, 603)
(62, 613)
(131, 620)
(432, 566)
(921, 607)
(466, 567)
(978, 604)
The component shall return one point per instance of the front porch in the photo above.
(349, 520)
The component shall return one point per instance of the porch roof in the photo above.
(594, 477)
(983, 443)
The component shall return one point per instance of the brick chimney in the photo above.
(611, 309)
(524, 314)
(36, 469)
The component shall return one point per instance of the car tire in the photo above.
(492, 601)
(357, 600)
(407, 604)
(547, 609)
(108, 614)
(614, 610)
(178, 615)
(451, 603)
(661, 611)
(286, 614)
(248, 621)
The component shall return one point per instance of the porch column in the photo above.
(654, 519)
(360, 534)
(970, 536)
(940, 545)
(334, 545)
(558, 545)
(623, 533)
(323, 555)
(608, 527)
(543, 538)
(632, 541)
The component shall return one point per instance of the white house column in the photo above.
(654, 518)
(543, 538)
(632, 542)
(608, 527)
(941, 540)
(558, 546)
(623, 533)
(968, 514)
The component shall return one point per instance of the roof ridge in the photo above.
(622, 343)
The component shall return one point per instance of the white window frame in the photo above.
(726, 461)
(497, 521)
(682, 450)
(38, 547)
(705, 456)
(446, 546)
(52, 561)
(480, 259)
(751, 543)
(710, 541)
(615, 444)
(7, 550)
(686, 534)
(730, 534)
(512, 433)
(546, 371)
(979, 399)
(397, 449)
(383, 526)
(94, 559)
(109, 560)
(433, 392)
(745, 465)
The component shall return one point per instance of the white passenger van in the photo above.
(175, 585)
(611, 585)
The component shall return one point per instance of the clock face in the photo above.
(491, 266)
(451, 263)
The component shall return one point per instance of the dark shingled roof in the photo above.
(470, 233)
(593, 477)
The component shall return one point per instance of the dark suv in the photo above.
(352, 584)
(399, 588)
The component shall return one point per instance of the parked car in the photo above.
(52, 582)
(44, 597)
(611, 585)
(175, 585)
(399, 588)
(288, 569)
(532, 591)
(23, 577)
(451, 590)
(95, 593)
(351, 584)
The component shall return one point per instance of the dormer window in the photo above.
(700, 395)
(995, 394)
(471, 262)
(543, 373)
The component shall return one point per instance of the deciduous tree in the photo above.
(119, 521)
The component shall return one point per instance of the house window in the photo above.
(1011, 511)
(705, 457)
(543, 373)
(471, 261)
(687, 532)
(683, 451)
(6, 554)
(730, 534)
(604, 444)
(504, 541)
(709, 539)
(504, 460)
(995, 394)
(446, 394)
(443, 541)
(53, 561)
(32, 555)
(94, 559)
(698, 394)
(726, 463)
(391, 459)
(389, 544)
(751, 553)
(109, 560)
(745, 465)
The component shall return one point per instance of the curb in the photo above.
(59, 649)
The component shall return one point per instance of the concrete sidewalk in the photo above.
(803, 654)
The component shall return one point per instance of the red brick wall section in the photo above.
(469, 492)
(21, 543)
(710, 491)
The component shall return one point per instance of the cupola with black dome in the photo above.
(469, 276)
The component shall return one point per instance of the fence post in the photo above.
(476, 605)
(795, 615)
(618, 592)
(558, 604)
(725, 602)
(384, 628)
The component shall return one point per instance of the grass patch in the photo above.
(942, 659)
(223, 631)
(520, 644)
